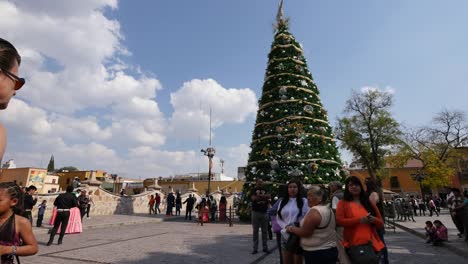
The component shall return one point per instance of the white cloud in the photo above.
(192, 104)
(82, 104)
(387, 89)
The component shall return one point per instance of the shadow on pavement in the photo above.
(223, 249)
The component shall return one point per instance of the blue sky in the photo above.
(177, 55)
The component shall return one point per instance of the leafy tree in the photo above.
(292, 135)
(51, 166)
(68, 168)
(435, 146)
(368, 129)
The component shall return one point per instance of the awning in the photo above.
(388, 192)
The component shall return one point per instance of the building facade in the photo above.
(405, 181)
(66, 178)
(31, 176)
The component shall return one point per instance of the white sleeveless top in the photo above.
(324, 237)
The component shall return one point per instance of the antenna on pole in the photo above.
(210, 126)
(199, 146)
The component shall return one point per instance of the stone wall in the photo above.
(106, 203)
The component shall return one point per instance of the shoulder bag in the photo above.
(362, 254)
(292, 244)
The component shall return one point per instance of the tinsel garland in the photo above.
(286, 46)
(294, 134)
(307, 90)
(290, 74)
(288, 58)
(283, 35)
(290, 101)
(324, 161)
(292, 118)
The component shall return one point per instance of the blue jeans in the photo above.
(324, 256)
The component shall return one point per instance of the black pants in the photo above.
(325, 256)
(88, 208)
(458, 218)
(432, 209)
(60, 220)
(82, 212)
(422, 209)
(28, 215)
(169, 210)
(188, 212)
(39, 220)
(213, 215)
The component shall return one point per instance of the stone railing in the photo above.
(107, 203)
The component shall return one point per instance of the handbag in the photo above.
(363, 254)
(292, 243)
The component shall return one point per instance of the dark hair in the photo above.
(222, 200)
(363, 197)
(371, 186)
(32, 187)
(8, 55)
(438, 222)
(14, 191)
(69, 189)
(428, 223)
(285, 197)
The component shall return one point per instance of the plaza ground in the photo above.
(150, 239)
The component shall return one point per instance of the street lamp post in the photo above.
(209, 152)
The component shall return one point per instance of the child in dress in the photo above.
(14, 227)
(40, 213)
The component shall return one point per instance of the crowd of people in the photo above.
(329, 224)
(321, 225)
(410, 206)
(207, 207)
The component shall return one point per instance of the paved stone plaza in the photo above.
(144, 239)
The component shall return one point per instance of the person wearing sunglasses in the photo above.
(10, 61)
(15, 228)
(9, 81)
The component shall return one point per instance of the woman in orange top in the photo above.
(359, 216)
(151, 204)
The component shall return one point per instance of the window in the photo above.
(394, 183)
(53, 181)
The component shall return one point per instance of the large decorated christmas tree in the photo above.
(292, 137)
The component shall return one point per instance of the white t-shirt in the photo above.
(289, 215)
(335, 201)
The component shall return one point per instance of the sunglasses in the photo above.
(19, 82)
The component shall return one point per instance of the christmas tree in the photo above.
(292, 136)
